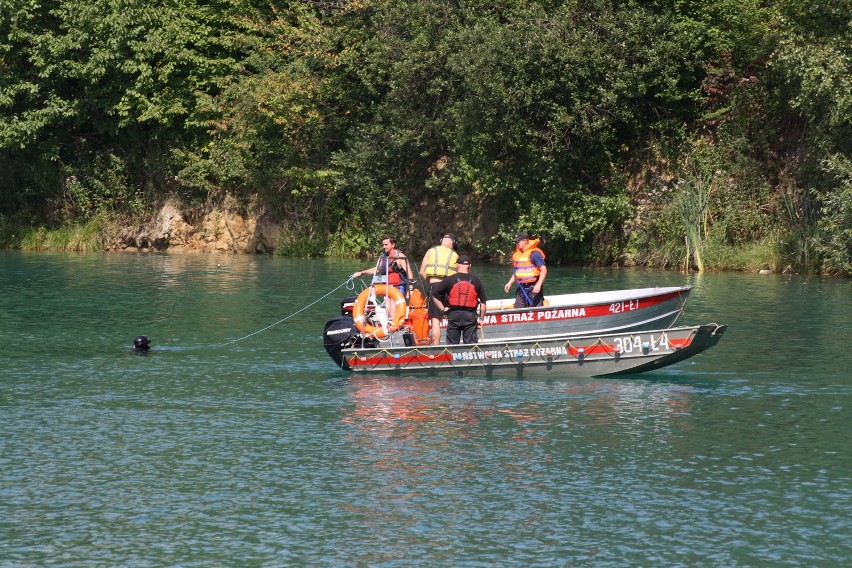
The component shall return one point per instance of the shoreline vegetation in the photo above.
(688, 136)
(218, 235)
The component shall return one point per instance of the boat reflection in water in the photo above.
(411, 438)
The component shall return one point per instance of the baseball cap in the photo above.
(463, 259)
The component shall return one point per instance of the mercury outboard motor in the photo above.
(340, 333)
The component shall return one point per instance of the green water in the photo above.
(227, 447)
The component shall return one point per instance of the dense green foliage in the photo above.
(654, 132)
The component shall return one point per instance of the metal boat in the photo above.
(634, 309)
(586, 334)
(588, 355)
(612, 311)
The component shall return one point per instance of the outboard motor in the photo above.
(340, 333)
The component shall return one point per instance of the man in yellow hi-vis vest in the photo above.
(438, 262)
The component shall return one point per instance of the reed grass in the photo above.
(692, 202)
(802, 243)
(88, 237)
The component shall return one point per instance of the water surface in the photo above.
(236, 441)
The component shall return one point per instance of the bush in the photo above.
(835, 223)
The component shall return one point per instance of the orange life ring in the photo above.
(379, 332)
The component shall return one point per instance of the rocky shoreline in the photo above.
(211, 230)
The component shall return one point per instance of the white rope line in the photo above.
(345, 283)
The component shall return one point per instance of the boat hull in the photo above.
(614, 311)
(588, 355)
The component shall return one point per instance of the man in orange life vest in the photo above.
(529, 271)
(462, 298)
(392, 264)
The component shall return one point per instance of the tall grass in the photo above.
(89, 237)
(748, 257)
(802, 241)
(693, 198)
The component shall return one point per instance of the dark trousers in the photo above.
(521, 299)
(461, 324)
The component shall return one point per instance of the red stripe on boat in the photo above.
(401, 360)
(591, 349)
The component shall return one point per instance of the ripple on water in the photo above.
(261, 452)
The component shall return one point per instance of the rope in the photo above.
(350, 285)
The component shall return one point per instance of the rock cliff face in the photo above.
(177, 230)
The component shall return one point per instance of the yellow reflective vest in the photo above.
(440, 261)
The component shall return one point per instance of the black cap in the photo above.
(521, 236)
(463, 259)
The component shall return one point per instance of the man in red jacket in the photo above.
(462, 298)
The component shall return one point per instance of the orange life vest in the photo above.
(463, 295)
(525, 271)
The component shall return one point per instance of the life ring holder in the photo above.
(360, 307)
